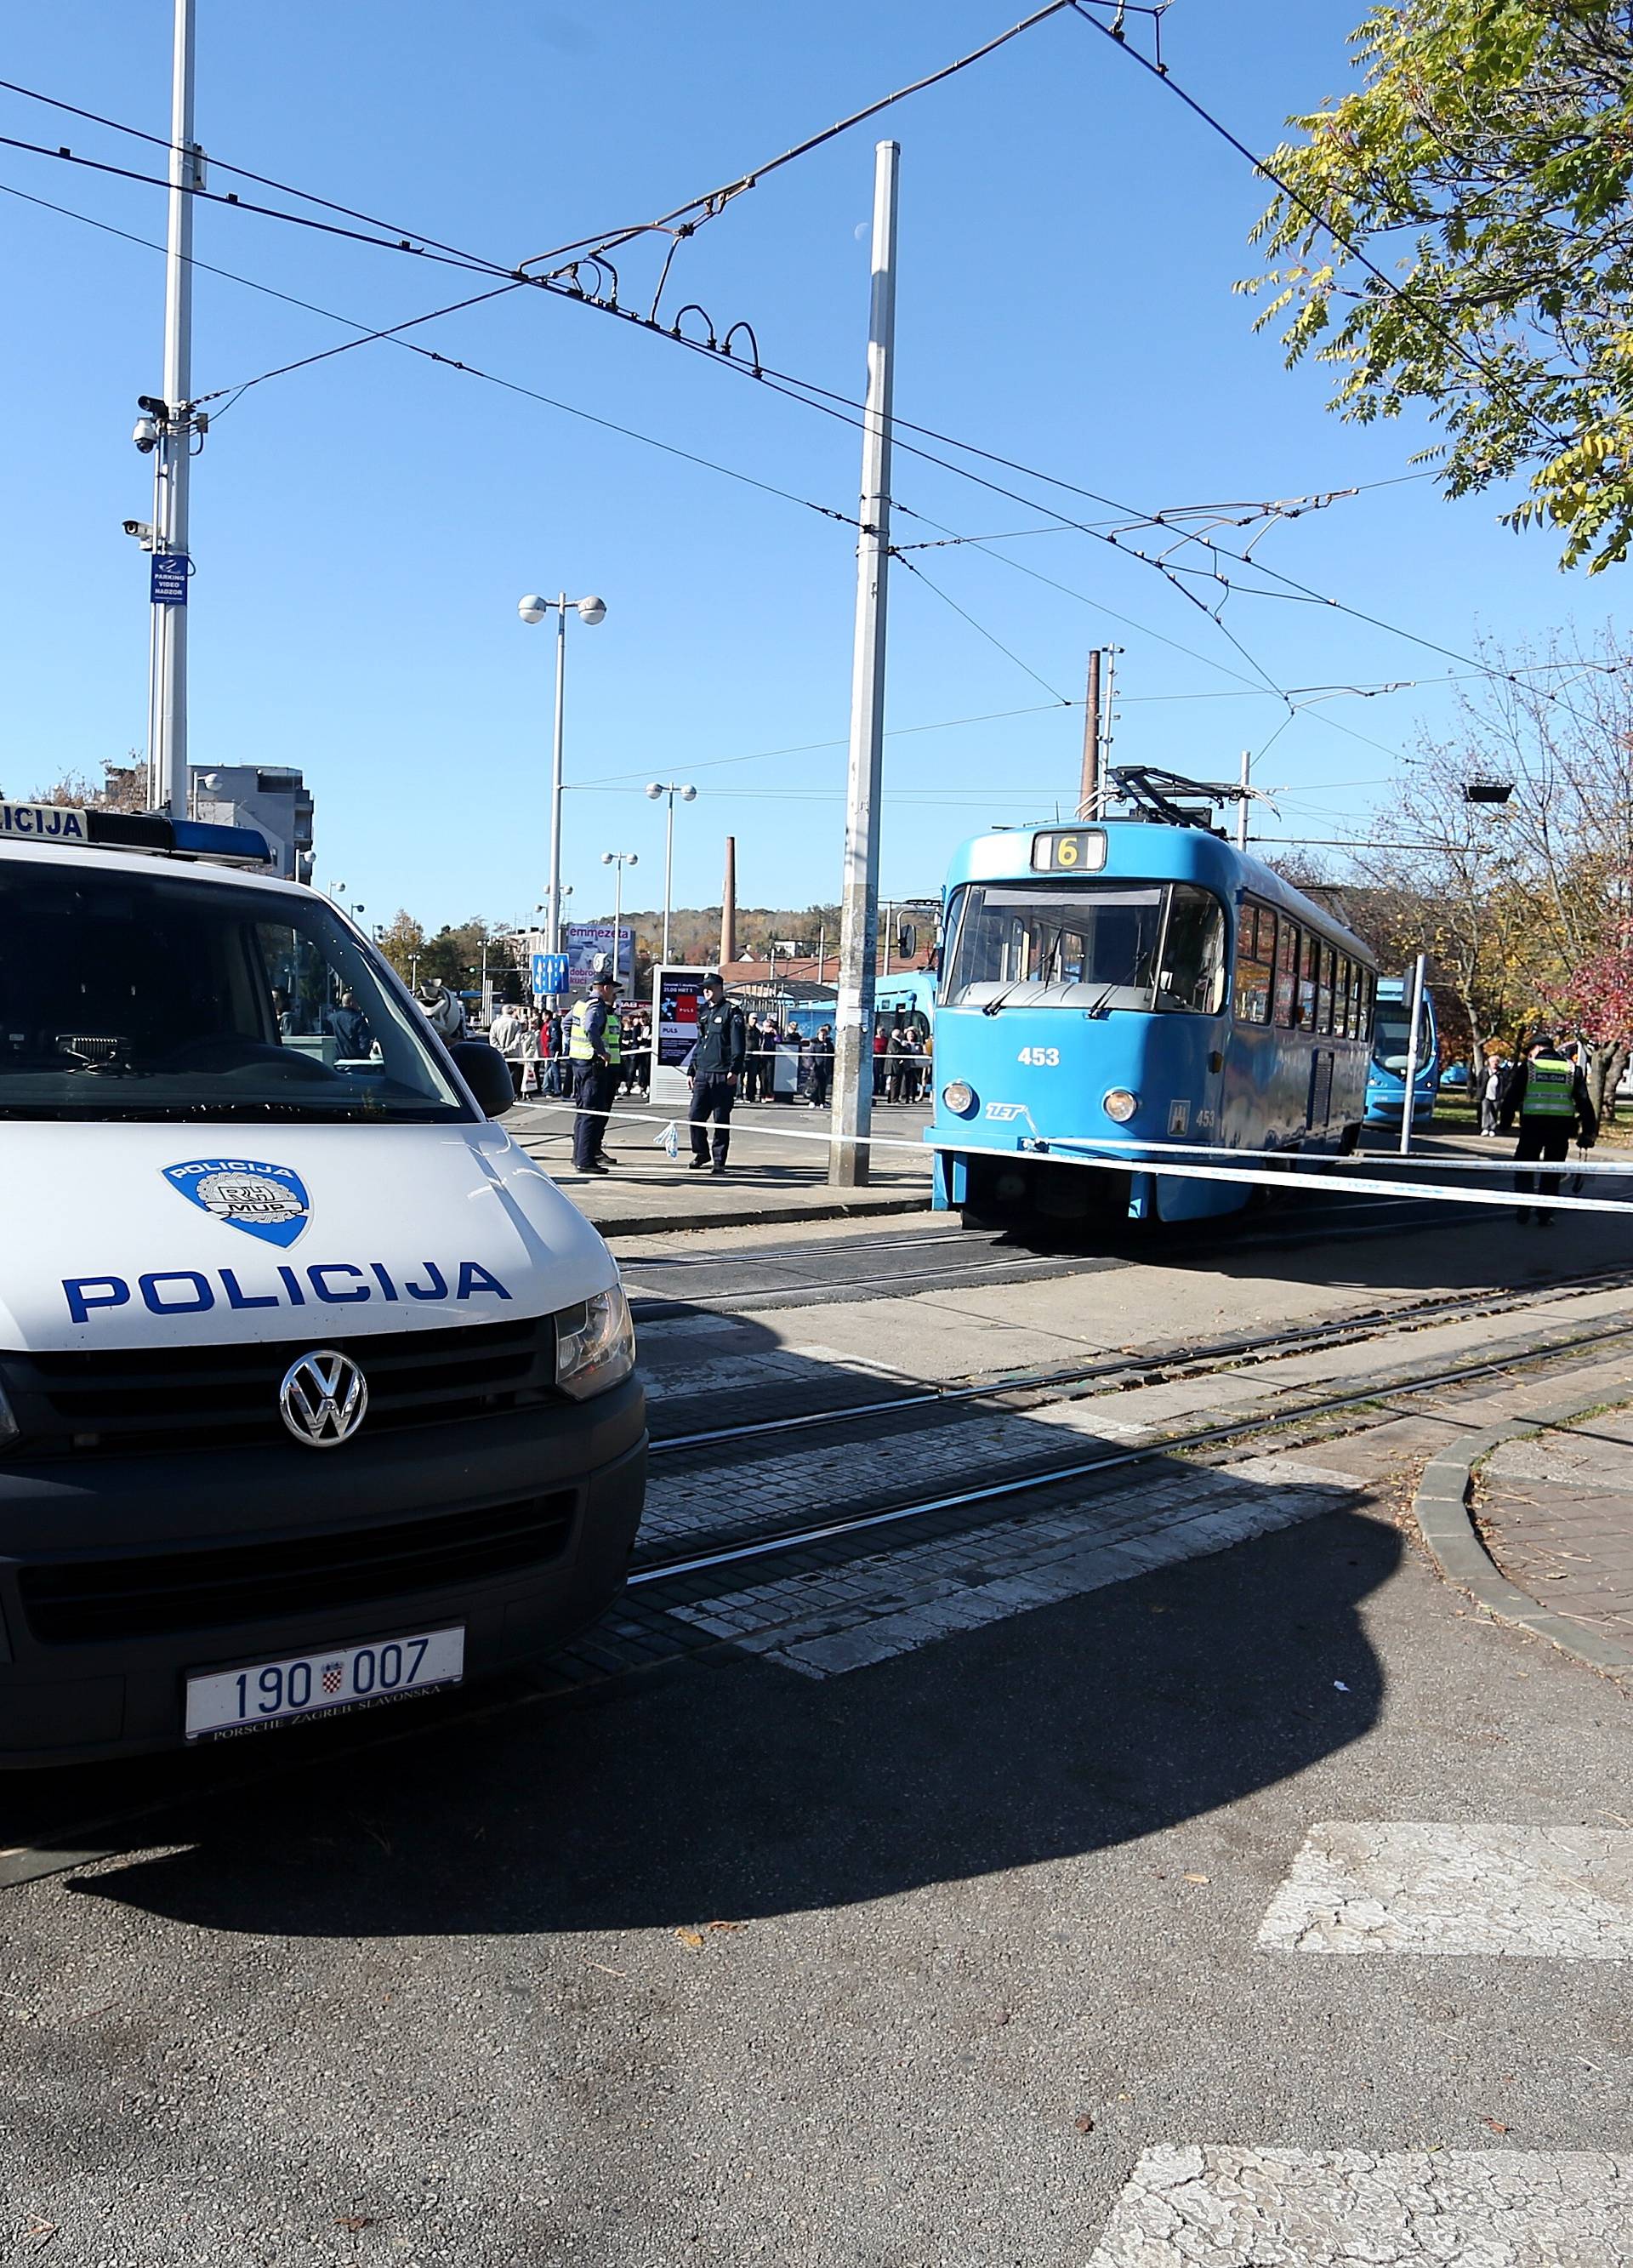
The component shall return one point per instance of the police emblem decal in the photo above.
(266, 1201)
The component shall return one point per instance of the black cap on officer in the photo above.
(712, 978)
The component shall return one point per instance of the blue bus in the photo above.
(1392, 1038)
(1128, 980)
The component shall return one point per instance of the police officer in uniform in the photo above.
(1547, 1091)
(716, 1068)
(594, 1052)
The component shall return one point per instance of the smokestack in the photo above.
(728, 905)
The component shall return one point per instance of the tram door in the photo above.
(1316, 990)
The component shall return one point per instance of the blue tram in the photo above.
(1392, 1041)
(1129, 980)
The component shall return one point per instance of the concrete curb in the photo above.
(767, 1216)
(1440, 1509)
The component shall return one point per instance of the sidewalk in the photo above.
(1532, 1515)
(1555, 1512)
(777, 1172)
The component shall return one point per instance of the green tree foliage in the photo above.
(1486, 165)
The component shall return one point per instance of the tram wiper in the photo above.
(990, 1007)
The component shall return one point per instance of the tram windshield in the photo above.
(1392, 1036)
(1098, 945)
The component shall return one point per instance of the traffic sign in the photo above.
(168, 582)
(549, 974)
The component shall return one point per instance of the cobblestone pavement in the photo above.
(1556, 1510)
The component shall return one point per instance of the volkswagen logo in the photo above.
(322, 1398)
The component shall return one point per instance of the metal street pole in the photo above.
(170, 762)
(853, 1038)
(553, 895)
(1089, 776)
(1410, 1095)
(668, 869)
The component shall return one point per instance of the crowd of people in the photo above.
(537, 1045)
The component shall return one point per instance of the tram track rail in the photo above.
(1126, 1371)
(63, 1844)
(794, 1538)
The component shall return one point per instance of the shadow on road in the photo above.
(742, 1790)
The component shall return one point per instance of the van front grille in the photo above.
(166, 1398)
(88, 1601)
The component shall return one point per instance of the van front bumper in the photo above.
(121, 1577)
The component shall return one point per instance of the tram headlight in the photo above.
(1119, 1104)
(959, 1097)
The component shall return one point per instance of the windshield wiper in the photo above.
(990, 1007)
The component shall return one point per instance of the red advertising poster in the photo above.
(677, 1020)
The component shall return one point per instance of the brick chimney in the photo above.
(728, 905)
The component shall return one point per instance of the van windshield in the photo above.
(1094, 945)
(146, 995)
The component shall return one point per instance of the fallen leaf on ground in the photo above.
(1497, 2126)
(1083, 2123)
(727, 1925)
(1196, 1878)
(354, 2221)
(691, 1939)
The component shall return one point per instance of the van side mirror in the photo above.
(487, 1074)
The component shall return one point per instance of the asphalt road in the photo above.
(992, 1912)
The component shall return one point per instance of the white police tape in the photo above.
(1060, 1150)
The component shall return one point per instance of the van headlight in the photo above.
(594, 1344)
(1119, 1104)
(959, 1097)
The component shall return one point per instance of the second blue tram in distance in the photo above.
(1128, 982)
(1392, 1041)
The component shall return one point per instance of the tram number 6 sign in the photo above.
(1081, 851)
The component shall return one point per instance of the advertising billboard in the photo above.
(587, 939)
(677, 995)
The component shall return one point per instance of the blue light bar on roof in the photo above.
(66, 826)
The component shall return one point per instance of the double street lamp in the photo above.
(671, 788)
(532, 609)
(620, 860)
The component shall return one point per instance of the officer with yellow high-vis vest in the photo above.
(594, 1049)
(1548, 1093)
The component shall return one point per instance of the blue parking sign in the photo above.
(167, 582)
(549, 973)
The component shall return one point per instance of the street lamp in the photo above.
(532, 609)
(620, 860)
(671, 788)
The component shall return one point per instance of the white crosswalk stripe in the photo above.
(1401, 1885)
(1196, 2207)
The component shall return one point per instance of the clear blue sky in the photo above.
(362, 530)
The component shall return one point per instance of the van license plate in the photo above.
(318, 1684)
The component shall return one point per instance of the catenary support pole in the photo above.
(1241, 808)
(170, 763)
(1089, 777)
(853, 1038)
(1410, 1093)
(668, 871)
(553, 895)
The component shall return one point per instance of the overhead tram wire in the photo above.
(811, 748)
(800, 389)
(244, 173)
(389, 335)
(1426, 313)
(1064, 699)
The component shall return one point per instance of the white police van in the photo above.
(314, 1391)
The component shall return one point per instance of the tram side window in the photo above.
(1287, 976)
(1344, 997)
(1192, 976)
(1309, 981)
(1255, 964)
(1324, 989)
